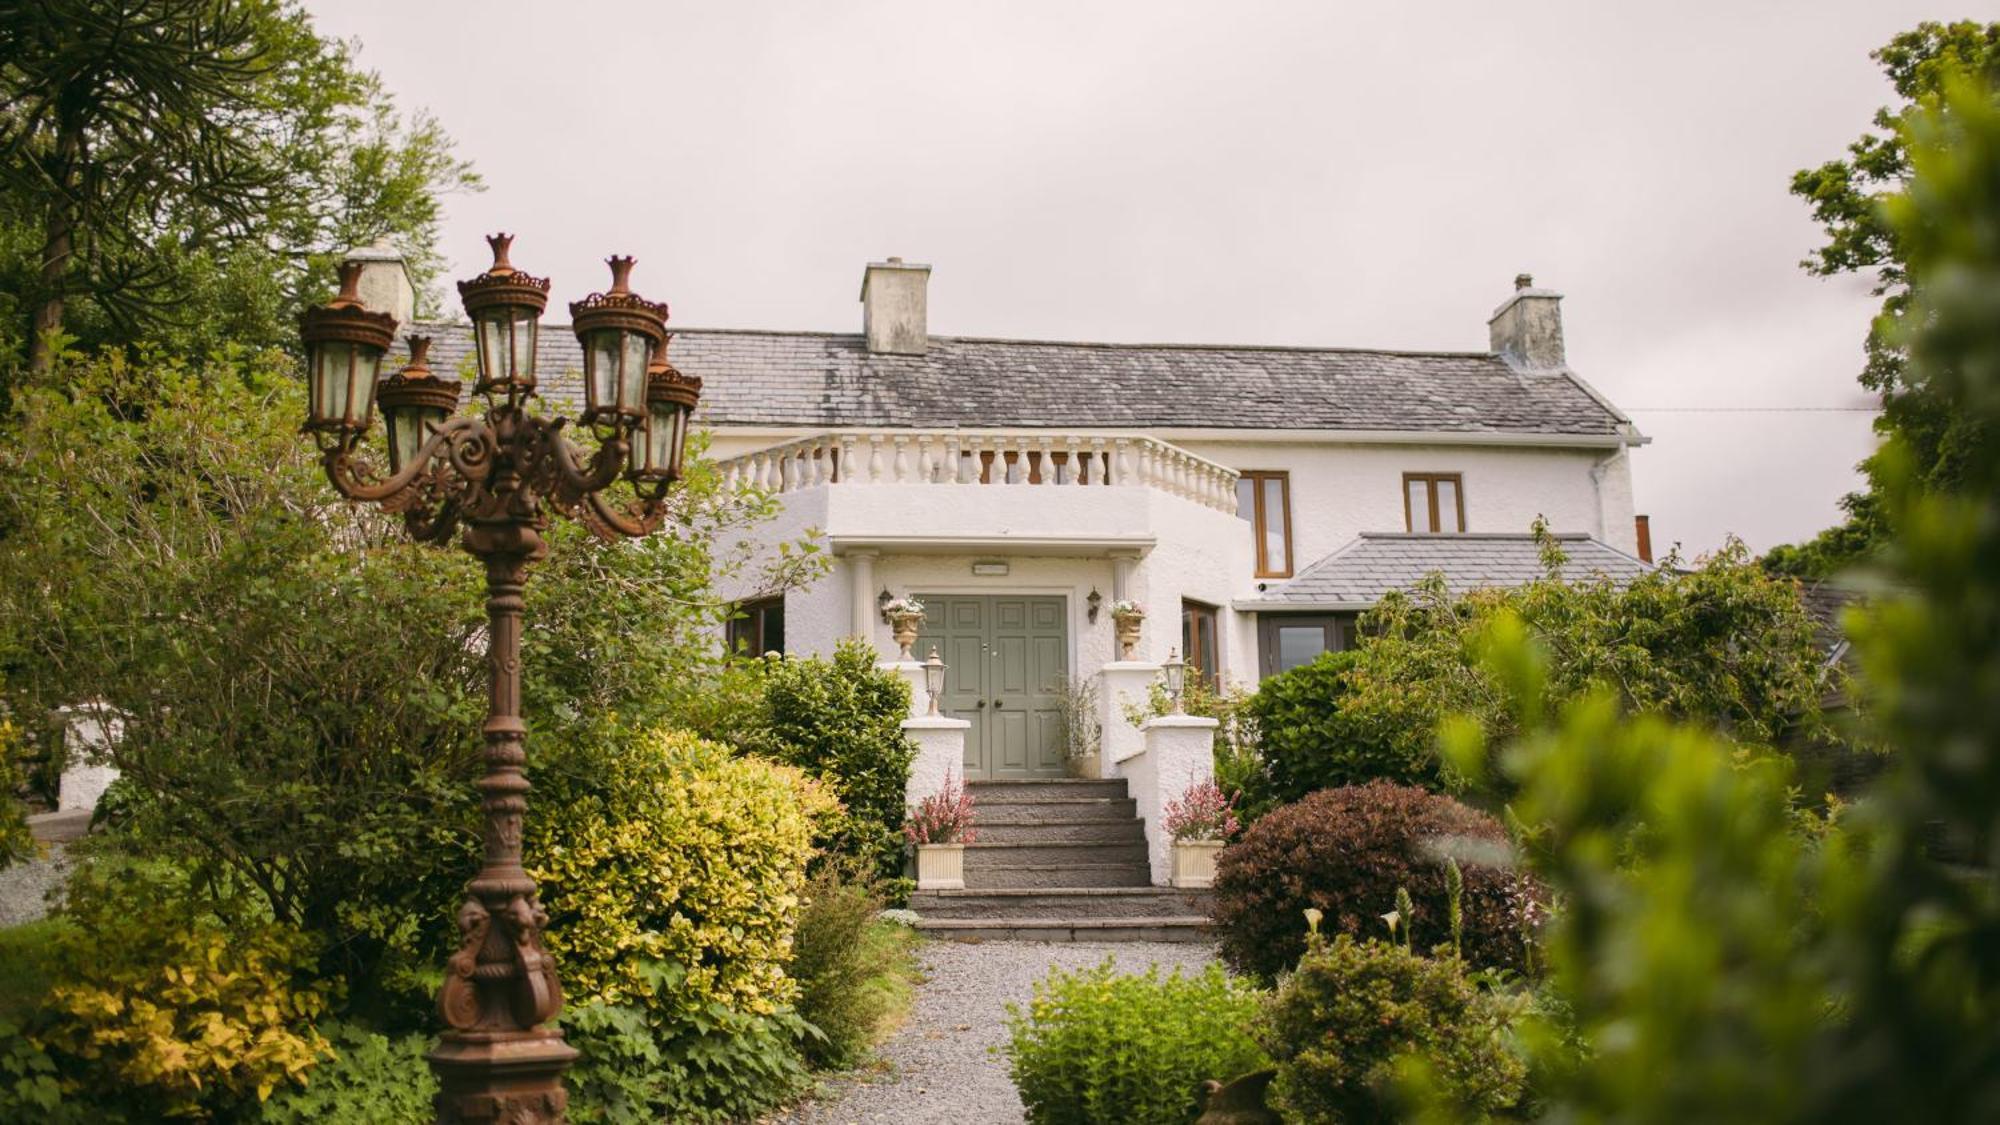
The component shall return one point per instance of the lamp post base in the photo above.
(501, 1077)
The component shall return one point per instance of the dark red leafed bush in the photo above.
(1345, 851)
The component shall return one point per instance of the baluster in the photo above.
(1045, 460)
(1121, 461)
(1022, 473)
(902, 461)
(1100, 452)
(925, 463)
(953, 468)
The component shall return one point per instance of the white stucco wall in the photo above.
(1339, 491)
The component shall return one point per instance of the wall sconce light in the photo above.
(1094, 602)
(882, 601)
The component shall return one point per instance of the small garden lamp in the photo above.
(934, 680)
(344, 347)
(1176, 673)
(621, 333)
(662, 441)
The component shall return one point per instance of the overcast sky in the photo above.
(1366, 175)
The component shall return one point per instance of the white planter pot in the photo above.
(940, 867)
(1194, 862)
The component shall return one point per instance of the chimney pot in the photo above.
(1526, 330)
(893, 307)
(385, 284)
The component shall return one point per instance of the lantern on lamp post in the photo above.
(1176, 674)
(934, 680)
(492, 481)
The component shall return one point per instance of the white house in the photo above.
(1251, 499)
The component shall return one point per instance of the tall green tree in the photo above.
(171, 169)
(1846, 197)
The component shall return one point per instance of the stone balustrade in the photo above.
(988, 458)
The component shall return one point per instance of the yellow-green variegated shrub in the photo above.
(158, 1002)
(671, 872)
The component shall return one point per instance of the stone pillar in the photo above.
(1121, 684)
(911, 671)
(861, 593)
(89, 733)
(1122, 565)
(1179, 751)
(940, 753)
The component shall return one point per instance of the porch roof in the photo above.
(1359, 574)
(816, 379)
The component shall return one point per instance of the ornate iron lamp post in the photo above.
(493, 479)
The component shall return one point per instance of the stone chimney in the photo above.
(385, 281)
(892, 307)
(1527, 328)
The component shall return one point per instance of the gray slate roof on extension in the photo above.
(831, 380)
(1360, 573)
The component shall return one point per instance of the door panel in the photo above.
(1007, 657)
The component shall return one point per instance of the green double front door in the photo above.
(1006, 658)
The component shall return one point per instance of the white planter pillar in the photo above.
(1179, 751)
(1121, 685)
(912, 671)
(940, 752)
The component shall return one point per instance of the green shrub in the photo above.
(1356, 1017)
(371, 1079)
(1095, 1046)
(1308, 742)
(713, 1068)
(178, 1009)
(671, 871)
(32, 1089)
(854, 971)
(1346, 852)
(840, 720)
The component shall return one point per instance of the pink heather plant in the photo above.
(1202, 813)
(944, 817)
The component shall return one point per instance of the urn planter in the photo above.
(1194, 862)
(940, 867)
(1128, 626)
(904, 626)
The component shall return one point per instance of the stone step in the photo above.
(986, 855)
(1104, 831)
(1182, 929)
(1062, 808)
(1045, 789)
(1063, 902)
(1058, 876)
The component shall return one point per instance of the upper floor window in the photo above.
(758, 627)
(1433, 502)
(1265, 499)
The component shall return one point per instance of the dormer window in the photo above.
(1433, 502)
(1264, 498)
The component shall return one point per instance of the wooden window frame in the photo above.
(1431, 481)
(748, 620)
(1202, 612)
(1259, 528)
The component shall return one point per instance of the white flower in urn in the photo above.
(1127, 608)
(905, 616)
(905, 606)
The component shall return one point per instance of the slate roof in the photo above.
(831, 380)
(1360, 573)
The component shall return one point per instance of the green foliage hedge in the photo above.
(1346, 852)
(1096, 1046)
(372, 1079)
(671, 871)
(1309, 741)
(840, 720)
(1354, 1013)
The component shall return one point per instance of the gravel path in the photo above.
(24, 887)
(938, 1068)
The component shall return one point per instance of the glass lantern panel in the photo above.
(361, 391)
(524, 347)
(632, 378)
(676, 441)
(493, 345)
(600, 359)
(406, 435)
(329, 389)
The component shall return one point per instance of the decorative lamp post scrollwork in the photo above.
(493, 479)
